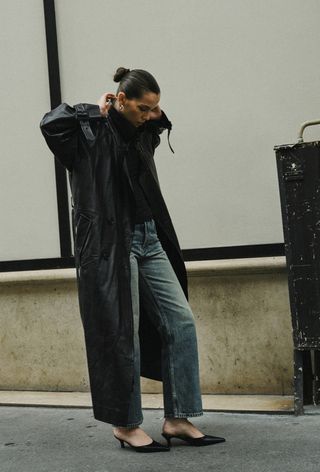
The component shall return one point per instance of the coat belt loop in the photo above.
(83, 117)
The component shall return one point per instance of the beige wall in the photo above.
(242, 317)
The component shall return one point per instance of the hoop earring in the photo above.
(121, 107)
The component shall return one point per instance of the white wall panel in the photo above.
(236, 78)
(29, 224)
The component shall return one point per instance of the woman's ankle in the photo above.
(124, 429)
(176, 420)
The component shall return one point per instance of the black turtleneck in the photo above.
(129, 132)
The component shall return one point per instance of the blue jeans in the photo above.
(174, 320)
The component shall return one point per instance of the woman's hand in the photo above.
(156, 113)
(104, 104)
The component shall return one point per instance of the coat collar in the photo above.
(127, 130)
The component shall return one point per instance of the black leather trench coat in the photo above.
(91, 148)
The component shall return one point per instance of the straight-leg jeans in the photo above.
(175, 322)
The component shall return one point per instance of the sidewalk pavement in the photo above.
(51, 439)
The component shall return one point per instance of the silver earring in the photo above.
(121, 107)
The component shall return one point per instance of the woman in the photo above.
(131, 276)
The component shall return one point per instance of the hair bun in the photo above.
(120, 73)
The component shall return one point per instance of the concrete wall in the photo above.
(242, 316)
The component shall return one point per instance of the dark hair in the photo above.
(134, 83)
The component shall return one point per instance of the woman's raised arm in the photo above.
(61, 128)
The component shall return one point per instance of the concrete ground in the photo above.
(55, 439)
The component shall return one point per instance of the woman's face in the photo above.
(137, 111)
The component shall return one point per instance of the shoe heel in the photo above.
(168, 438)
(121, 442)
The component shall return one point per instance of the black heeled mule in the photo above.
(203, 441)
(152, 447)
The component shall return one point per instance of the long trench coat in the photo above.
(92, 150)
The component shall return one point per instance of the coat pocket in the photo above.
(84, 248)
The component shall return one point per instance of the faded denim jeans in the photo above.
(174, 318)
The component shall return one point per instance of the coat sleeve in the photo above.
(158, 126)
(61, 129)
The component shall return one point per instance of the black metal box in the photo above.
(298, 167)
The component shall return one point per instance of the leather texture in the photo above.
(102, 225)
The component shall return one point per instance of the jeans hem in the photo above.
(131, 425)
(183, 415)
